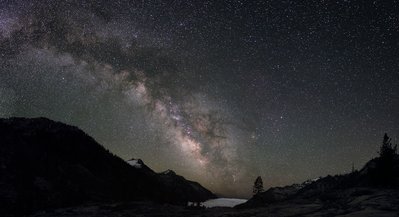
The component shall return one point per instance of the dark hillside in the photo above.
(46, 164)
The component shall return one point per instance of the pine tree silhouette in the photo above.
(387, 150)
(385, 173)
(258, 185)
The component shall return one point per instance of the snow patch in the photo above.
(223, 202)
(168, 172)
(135, 163)
(308, 182)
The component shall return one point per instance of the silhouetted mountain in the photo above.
(379, 174)
(189, 190)
(47, 164)
(176, 187)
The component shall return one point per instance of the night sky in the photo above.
(218, 91)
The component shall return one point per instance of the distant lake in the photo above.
(223, 202)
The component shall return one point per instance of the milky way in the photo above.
(59, 48)
(219, 91)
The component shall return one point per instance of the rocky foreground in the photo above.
(360, 202)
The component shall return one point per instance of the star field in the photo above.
(219, 91)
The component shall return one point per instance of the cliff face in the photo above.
(46, 164)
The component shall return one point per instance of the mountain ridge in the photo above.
(48, 164)
(380, 173)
